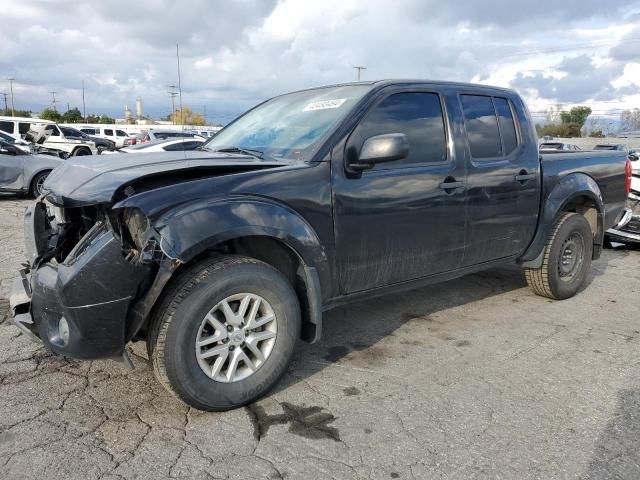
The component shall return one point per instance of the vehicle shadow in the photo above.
(359, 326)
(617, 454)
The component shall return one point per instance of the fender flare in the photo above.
(195, 227)
(571, 187)
(192, 228)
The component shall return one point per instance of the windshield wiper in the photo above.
(246, 151)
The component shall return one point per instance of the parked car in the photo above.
(222, 258)
(619, 147)
(116, 135)
(628, 229)
(153, 135)
(23, 172)
(102, 144)
(46, 137)
(172, 145)
(551, 147)
(15, 140)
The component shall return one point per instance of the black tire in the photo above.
(561, 277)
(101, 148)
(36, 183)
(181, 310)
(80, 152)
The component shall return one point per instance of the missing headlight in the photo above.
(137, 236)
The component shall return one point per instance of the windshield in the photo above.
(606, 147)
(290, 126)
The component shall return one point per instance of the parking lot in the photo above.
(473, 378)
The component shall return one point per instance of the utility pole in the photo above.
(54, 100)
(13, 106)
(6, 109)
(84, 110)
(359, 68)
(204, 109)
(173, 93)
(179, 85)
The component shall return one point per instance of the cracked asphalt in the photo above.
(473, 378)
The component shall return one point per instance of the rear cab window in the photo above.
(6, 126)
(490, 126)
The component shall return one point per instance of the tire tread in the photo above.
(538, 278)
(164, 313)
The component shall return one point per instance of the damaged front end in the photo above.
(92, 276)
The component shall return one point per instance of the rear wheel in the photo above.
(224, 332)
(567, 259)
(78, 152)
(36, 184)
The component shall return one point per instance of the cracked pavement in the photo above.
(473, 378)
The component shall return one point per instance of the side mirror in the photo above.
(8, 150)
(380, 149)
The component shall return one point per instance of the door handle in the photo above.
(523, 177)
(450, 184)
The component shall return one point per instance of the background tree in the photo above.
(576, 115)
(19, 113)
(72, 116)
(630, 120)
(187, 117)
(570, 125)
(51, 114)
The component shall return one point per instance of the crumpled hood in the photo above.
(90, 180)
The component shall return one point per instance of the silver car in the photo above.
(23, 172)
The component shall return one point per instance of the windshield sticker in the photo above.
(325, 104)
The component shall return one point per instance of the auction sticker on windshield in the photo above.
(325, 104)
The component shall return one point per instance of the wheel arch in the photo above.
(256, 228)
(576, 192)
(34, 175)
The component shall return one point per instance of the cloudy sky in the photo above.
(236, 53)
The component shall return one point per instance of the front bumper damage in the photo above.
(92, 292)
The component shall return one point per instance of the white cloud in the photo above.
(234, 54)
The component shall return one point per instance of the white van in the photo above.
(116, 135)
(47, 136)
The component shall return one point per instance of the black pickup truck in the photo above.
(223, 258)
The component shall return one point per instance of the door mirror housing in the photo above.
(8, 149)
(380, 149)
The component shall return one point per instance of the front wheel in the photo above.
(224, 332)
(567, 259)
(36, 184)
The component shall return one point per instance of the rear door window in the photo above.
(53, 129)
(481, 125)
(108, 132)
(507, 125)
(24, 127)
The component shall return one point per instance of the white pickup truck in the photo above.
(47, 137)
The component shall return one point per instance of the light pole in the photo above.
(179, 85)
(84, 110)
(359, 68)
(173, 93)
(54, 101)
(13, 106)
